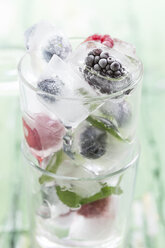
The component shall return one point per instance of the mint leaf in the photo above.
(69, 198)
(52, 167)
(104, 193)
(104, 125)
(73, 200)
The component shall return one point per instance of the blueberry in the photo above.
(58, 45)
(103, 63)
(50, 86)
(115, 66)
(93, 142)
(97, 67)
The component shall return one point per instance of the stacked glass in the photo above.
(80, 114)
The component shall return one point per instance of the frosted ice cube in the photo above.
(118, 110)
(83, 188)
(43, 40)
(95, 228)
(77, 57)
(70, 99)
(105, 84)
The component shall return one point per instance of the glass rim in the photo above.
(131, 86)
(134, 159)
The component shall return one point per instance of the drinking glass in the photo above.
(81, 152)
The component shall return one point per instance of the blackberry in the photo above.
(58, 45)
(93, 142)
(101, 69)
(52, 87)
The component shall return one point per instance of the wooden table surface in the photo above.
(147, 229)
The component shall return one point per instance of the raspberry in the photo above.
(105, 39)
(32, 137)
(94, 209)
(42, 133)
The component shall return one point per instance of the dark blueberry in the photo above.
(103, 63)
(97, 67)
(90, 60)
(97, 51)
(110, 60)
(115, 66)
(97, 58)
(50, 86)
(107, 67)
(104, 55)
(93, 143)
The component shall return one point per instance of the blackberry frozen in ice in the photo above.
(51, 86)
(58, 45)
(102, 71)
(93, 142)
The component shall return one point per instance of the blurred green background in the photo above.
(139, 22)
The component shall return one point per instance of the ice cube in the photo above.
(109, 152)
(43, 40)
(118, 110)
(43, 134)
(65, 94)
(84, 188)
(78, 56)
(104, 80)
(95, 228)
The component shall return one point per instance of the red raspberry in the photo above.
(42, 133)
(105, 39)
(32, 137)
(94, 209)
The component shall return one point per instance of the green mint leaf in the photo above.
(104, 193)
(73, 200)
(52, 167)
(103, 124)
(69, 198)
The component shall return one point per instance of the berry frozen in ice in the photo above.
(58, 45)
(32, 137)
(101, 69)
(94, 209)
(41, 133)
(93, 142)
(104, 39)
(52, 86)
